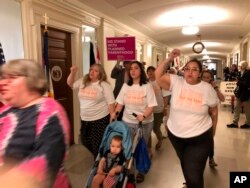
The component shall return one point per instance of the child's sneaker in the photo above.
(212, 163)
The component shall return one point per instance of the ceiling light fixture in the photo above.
(190, 30)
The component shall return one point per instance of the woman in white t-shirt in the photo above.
(96, 104)
(138, 98)
(160, 109)
(207, 76)
(193, 117)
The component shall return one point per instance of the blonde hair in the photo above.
(35, 76)
(102, 75)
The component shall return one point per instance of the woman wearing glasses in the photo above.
(193, 117)
(34, 130)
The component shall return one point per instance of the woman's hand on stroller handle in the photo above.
(114, 116)
(140, 118)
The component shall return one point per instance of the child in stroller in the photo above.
(112, 130)
(110, 164)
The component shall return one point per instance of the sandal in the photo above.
(140, 178)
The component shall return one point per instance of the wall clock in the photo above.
(198, 47)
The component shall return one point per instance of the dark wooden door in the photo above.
(60, 61)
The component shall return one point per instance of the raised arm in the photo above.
(219, 94)
(71, 77)
(180, 72)
(162, 78)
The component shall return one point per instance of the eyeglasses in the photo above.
(187, 69)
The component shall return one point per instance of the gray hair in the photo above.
(244, 64)
(33, 71)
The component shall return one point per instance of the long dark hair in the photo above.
(143, 77)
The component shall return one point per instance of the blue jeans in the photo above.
(193, 153)
(146, 130)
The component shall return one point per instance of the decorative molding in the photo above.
(69, 10)
(60, 18)
(69, 16)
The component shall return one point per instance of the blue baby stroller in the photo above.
(115, 128)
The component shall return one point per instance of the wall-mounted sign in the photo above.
(122, 48)
(227, 89)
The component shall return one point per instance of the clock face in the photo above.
(198, 47)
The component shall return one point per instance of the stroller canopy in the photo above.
(117, 128)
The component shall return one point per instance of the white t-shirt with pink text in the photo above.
(136, 99)
(94, 99)
(189, 107)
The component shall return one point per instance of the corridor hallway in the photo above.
(232, 153)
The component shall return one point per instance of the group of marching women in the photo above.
(191, 124)
(193, 110)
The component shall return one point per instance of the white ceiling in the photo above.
(218, 37)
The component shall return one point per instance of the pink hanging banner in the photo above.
(122, 48)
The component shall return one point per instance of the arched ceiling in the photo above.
(222, 23)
